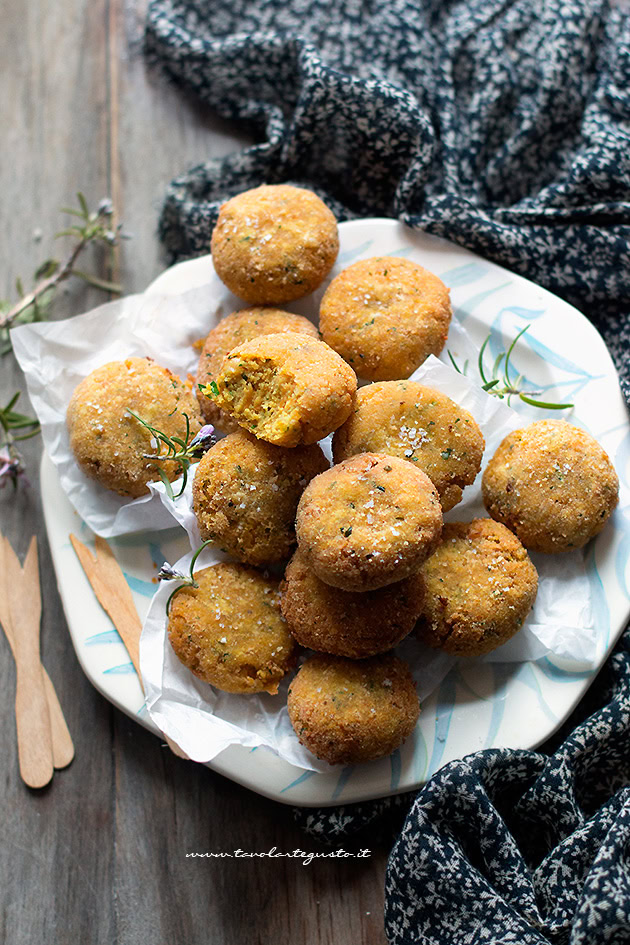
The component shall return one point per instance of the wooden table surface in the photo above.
(100, 855)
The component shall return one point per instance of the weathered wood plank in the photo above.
(157, 133)
(167, 808)
(56, 858)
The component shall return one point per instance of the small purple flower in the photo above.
(168, 573)
(105, 207)
(10, 470)
(202, 441)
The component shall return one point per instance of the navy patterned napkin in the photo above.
(502, 125)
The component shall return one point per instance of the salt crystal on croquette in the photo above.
(419, 424)
(110, 445)
(229, 631)
(356, 625)
(234, 330)
(246, 492)
(552, 484)
(274, 243)
(480, 586)
(350, 711)
(385, 316)
(287, 388)
(360, 547)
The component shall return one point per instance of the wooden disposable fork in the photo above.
(113, 593)
(44, 741)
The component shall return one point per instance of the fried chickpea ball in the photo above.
(229, 631)
(274, 244)
(346, 711)
(288, 389)
(419, 424)
(246, 492)
(368, 522)
(233, 331)
(480, 586)
(344, 623)
(108, 442)
(385, 316)
(552, 484)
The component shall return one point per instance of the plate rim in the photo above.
(224, 763)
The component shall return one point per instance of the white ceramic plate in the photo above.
(479, 705)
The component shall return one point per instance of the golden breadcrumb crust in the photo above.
(108, 442)
(480, 586)
(348, 711)
(419, 424)
(552, 484)
(368, 522)
(246, 492)
(345, 623)
(385, 316)
(288, 389)
(229, 630)
(274, 244)
(232, 331)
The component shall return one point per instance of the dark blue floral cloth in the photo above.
(503, 125)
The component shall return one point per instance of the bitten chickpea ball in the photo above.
(288, 389)
(348, 711)
(274, 244)
(385, 316)
(419, 424)
(108, 442)
(232, 331)
(368, 522)
(229, 632)
(246, 492)
(552, 484)
(480, 586)
(330, 620)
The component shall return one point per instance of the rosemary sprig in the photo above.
(177, 450)
(94, 227)
(500, 384)
(167, 573)
(11, 463)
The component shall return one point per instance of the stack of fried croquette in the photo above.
(373, 559)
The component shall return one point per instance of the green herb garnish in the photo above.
(11, 463)
(167, 573)
(177, 450)
(501, 384)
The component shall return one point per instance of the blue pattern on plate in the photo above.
(498, 709)
(557, 673)
(357, 252)
(157, 555)
(108, 636)
(146, 588)
(601, 612)
(464, 275)
(303, 777)
(344, 777)
(527, 675)
(528, 314)
(125, 669)
(623, 551)
(443, 714)
(464, 309)
(420, 755)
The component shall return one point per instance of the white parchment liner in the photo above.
(56, 356)
(204, 721)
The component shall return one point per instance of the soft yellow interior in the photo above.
(260, 398)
